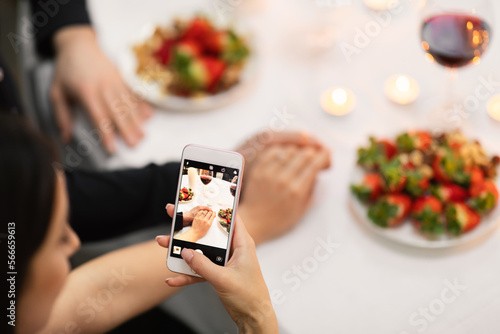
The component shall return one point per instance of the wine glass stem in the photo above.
(452, 75)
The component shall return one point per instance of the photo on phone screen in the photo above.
(207, 192)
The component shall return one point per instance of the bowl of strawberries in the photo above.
(426, 190)
(189, 65)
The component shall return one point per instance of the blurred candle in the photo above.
(338, 101)
(493, 107)
(401, 89)
(381, 4)
(192, 176)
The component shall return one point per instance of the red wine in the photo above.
(205, 179)
(454, 40)
(232, 189)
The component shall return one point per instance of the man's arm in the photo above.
(55, 15)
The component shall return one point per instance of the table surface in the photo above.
(330, 274)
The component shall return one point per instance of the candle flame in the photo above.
(402, 83)
(339, 96)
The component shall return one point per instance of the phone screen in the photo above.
(207, 192)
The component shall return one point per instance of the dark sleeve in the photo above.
(49, 16)
(179, 221)
(109, 204)
(9, 100)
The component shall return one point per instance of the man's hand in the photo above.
(85, 75)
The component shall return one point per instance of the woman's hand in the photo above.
(278, 189)
(201, 224)
(239, 284)
(188, 216)
(85, 75)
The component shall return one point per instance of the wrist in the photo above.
(263, 320)
(257, 235)
(73, 34)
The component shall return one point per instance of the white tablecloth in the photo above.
(331, 275)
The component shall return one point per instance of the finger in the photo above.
(203, 266)
(241, 237)
(170, 209)
(183, 280)
(62, 112)
(299, 162)
(203, 207)
(124, 117)
(163, 240)
(100, 119)
(306, 179)
(145, 109)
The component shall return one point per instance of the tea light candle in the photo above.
(401, 89)
(493, 107)
(381, 4)
(338, 101)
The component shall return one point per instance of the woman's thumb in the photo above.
(202, 266)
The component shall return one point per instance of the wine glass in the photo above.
(205, 178)
(232, 186)
(455, 33)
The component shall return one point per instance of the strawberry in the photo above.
(389, 148)
(484, 196)
(449, 167)
(390, 210)
(461, 218)
(476, 180)
(414, 140)
(215, 68)
(379, 152)
(449, 192)
(197, 29)
(164, 53)
(370, 189)
(215, 42)
(426, 213)
(417, 183)
(394, 176)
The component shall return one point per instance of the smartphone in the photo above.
(209, 186)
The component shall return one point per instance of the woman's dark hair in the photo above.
(27, 191)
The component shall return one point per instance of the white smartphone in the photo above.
(209, 186)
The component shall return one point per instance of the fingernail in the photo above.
(166, 280)
(159, 236)
(187, 254)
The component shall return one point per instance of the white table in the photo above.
(366, 284)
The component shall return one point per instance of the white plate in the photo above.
(407, 234)
(151, 92)
(222, 227)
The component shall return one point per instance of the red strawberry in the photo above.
(390, 210)
(394, 176)
(414, 140)
(439, 173)
(389, 148)
(449, 167)
(461, 218)
(215, 68)
(416, 183)
(449, 193)
(197, 29)
(215, 42)
(379, 152)
(370, 189)
(484, 196)
(426, 213)
(164, 53)
(476, 180)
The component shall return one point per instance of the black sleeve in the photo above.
(108, 204)
(48, 16)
